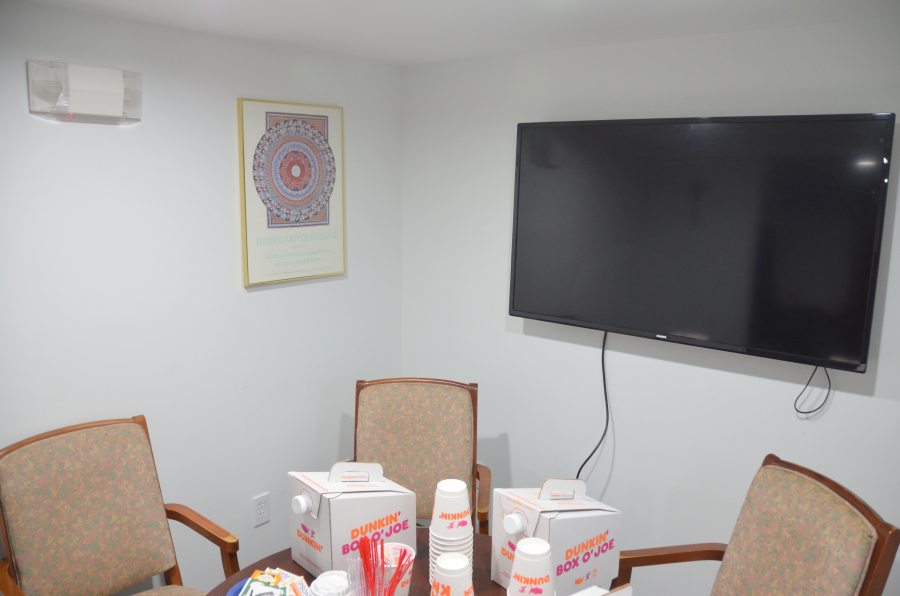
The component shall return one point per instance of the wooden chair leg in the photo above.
(173, 576)
(483, 502)
(624, 578)
(483, 522)
(230, 563)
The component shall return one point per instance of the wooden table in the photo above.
(481, 568)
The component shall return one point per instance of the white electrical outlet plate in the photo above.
(260, 509)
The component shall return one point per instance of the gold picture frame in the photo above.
(292, 190)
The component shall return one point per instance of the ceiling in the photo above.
(415, 32)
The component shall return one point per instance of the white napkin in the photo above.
(597, 591)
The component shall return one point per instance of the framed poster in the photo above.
(292, 190)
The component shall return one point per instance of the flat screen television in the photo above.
(757, 235)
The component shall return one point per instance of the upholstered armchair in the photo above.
(81, 514)
(798, 534)
(423, 431)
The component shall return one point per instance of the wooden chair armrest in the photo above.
(225, 540)
(7, 586)
(629, 559)
(483, 504)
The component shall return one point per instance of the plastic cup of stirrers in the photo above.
(357, 576)
(392, 552)
(382, 568)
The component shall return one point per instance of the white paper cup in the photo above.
(436, 548)
(452, 576)
(452, 487)
(431, 576)
(454, 547)
(432, 566)
(452, 516)
(432, 561)
(458, 545)
(393, 561)
(437, 553)
(434, 554)
(532, 569)
(462, 541)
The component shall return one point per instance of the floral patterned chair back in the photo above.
(83, 512)
(421, 431)
(796, 536)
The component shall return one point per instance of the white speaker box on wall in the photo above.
(72, 92)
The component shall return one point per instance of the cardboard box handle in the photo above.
(354, 471)
(354, 476)
(563, 495)
(562, 489)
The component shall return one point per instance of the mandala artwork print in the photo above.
(294, 173)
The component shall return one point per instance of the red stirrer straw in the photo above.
(365, 554)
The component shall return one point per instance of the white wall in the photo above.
(121, 268)
(690, 425)
(121, 277)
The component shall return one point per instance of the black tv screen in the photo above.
(758, 235)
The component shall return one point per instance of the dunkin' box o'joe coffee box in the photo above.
(582, 532)
(331, 511)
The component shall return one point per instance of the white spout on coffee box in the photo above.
(582, 533)
(301, 504)
(515, 523)
(331, 511)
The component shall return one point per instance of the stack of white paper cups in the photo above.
(532, 571)
(452, 576)
(451, 524)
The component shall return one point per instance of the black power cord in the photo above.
(606, 399)
(799, 411)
